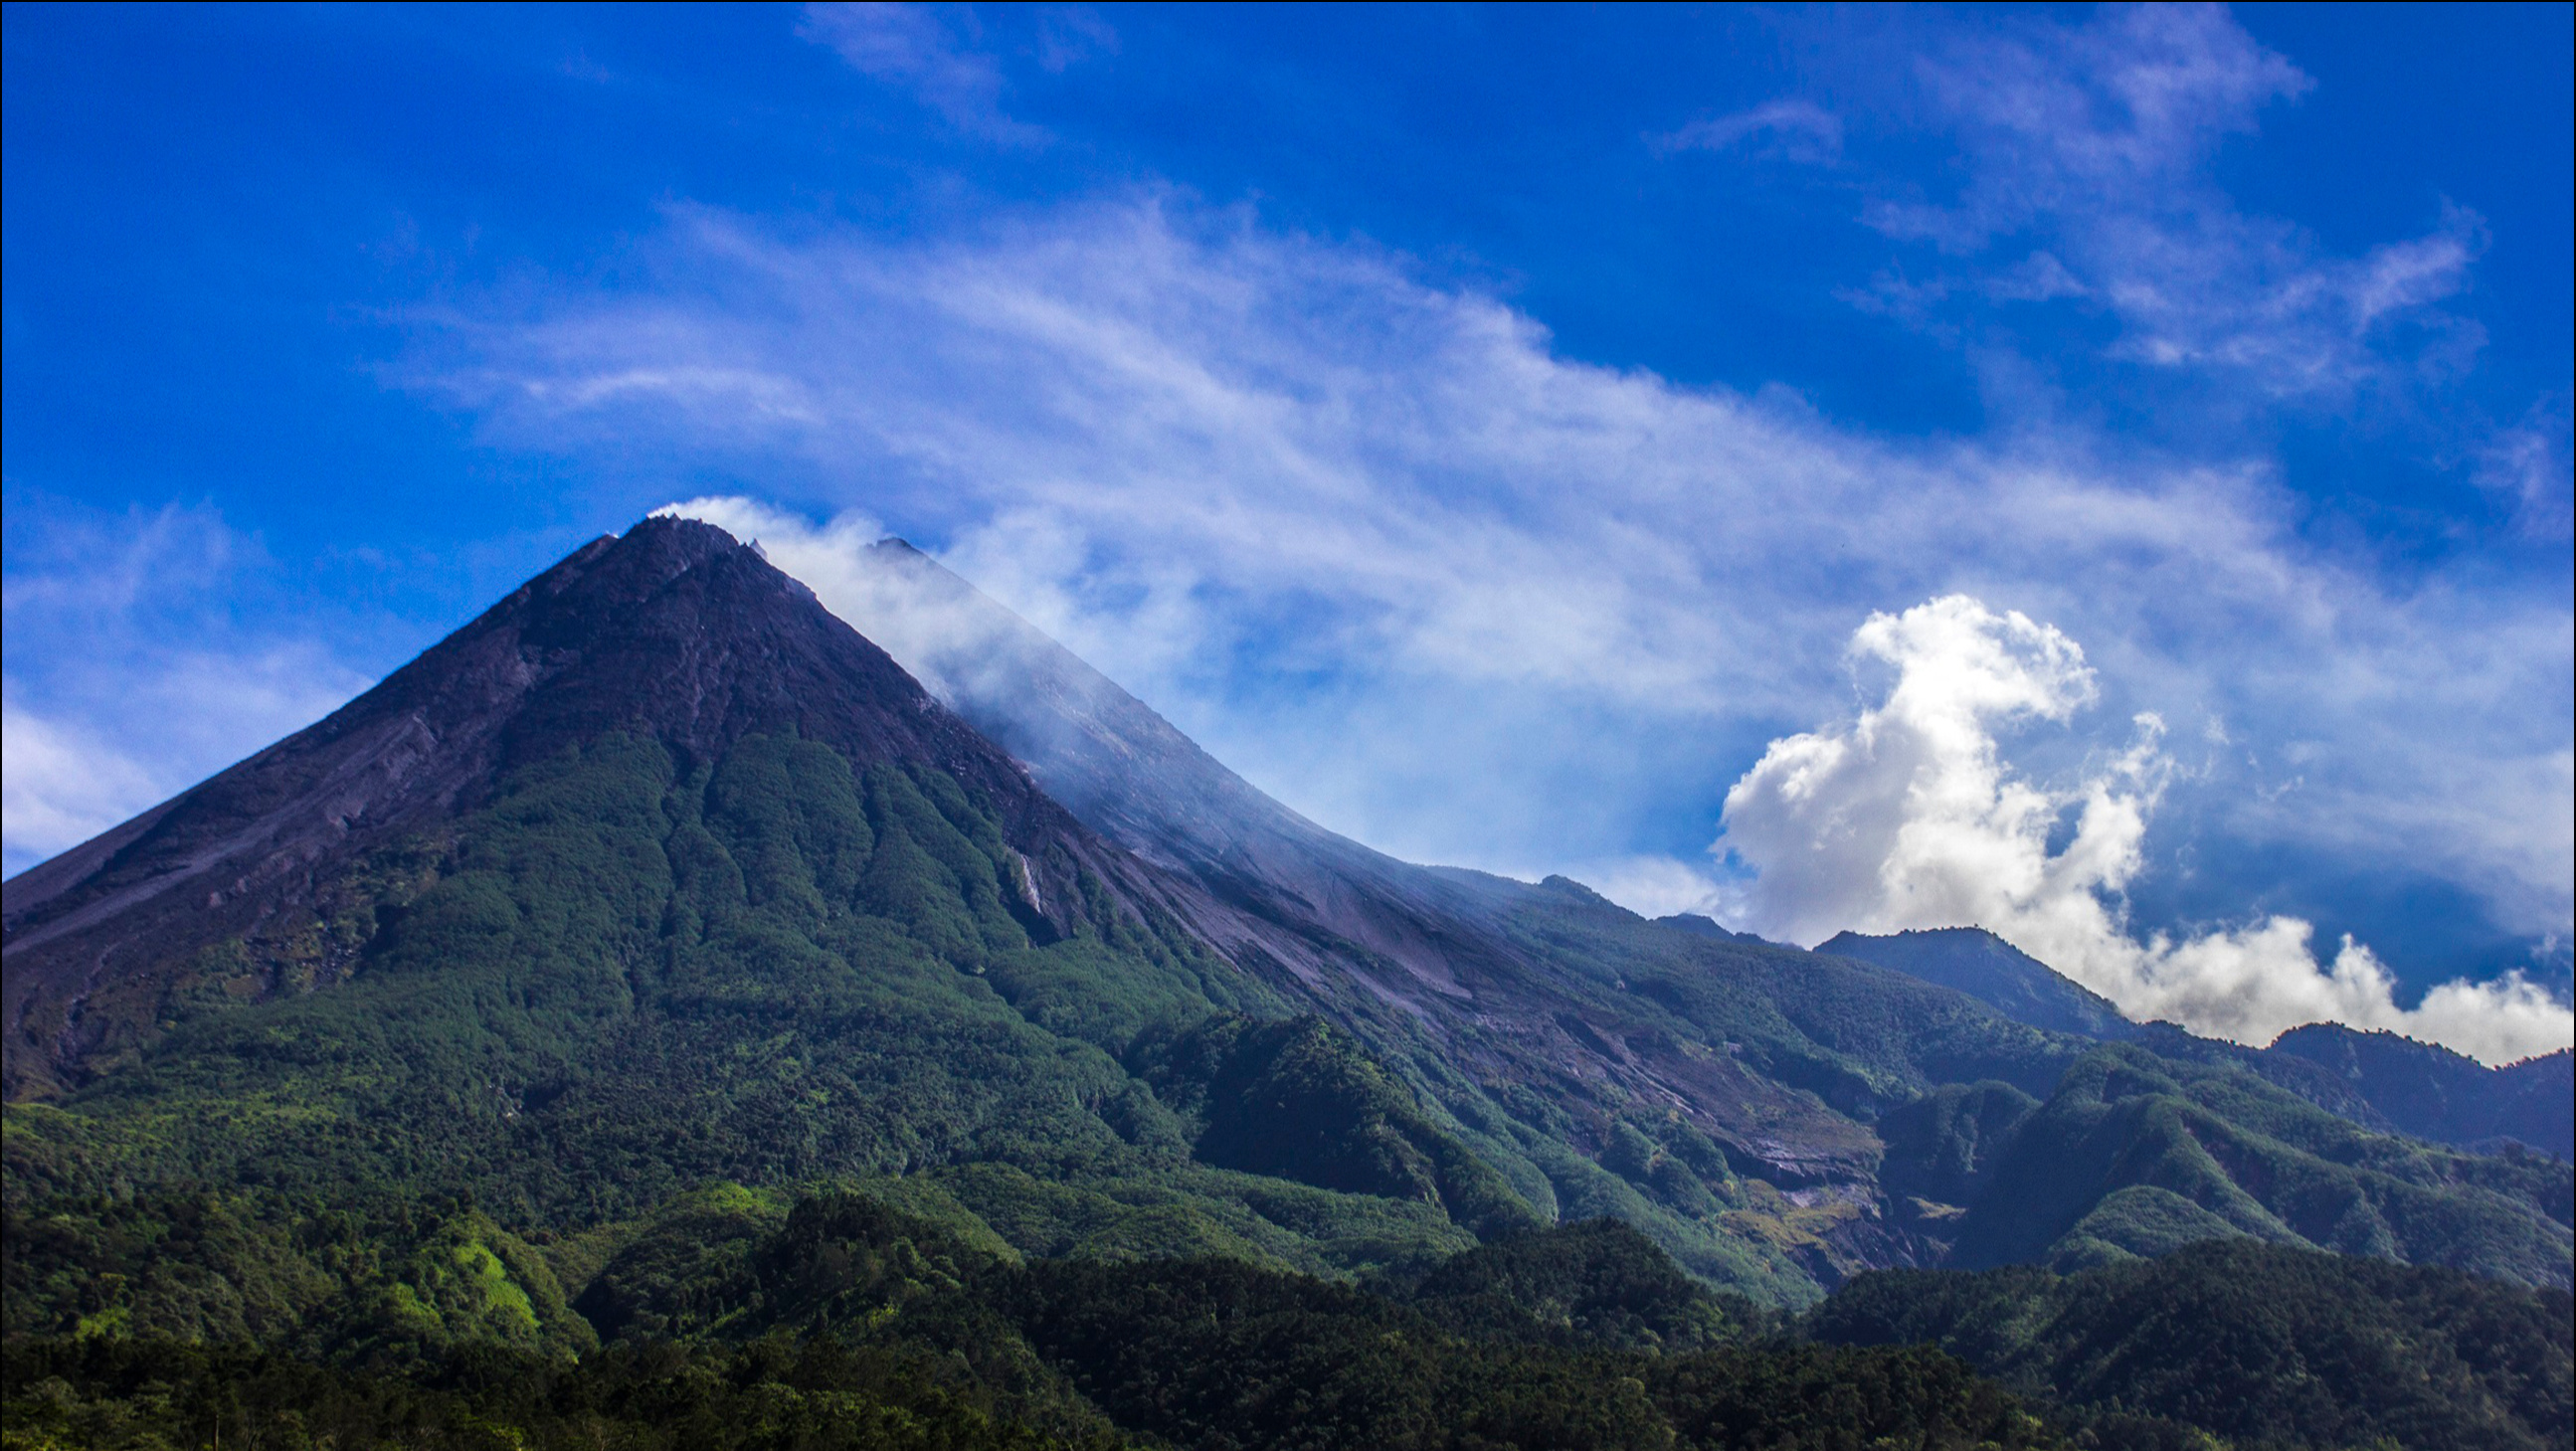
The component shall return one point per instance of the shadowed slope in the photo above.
(2434, 1093)
(2378, 1079)
(2262, 1344)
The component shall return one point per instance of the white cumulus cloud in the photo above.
(1911, 815)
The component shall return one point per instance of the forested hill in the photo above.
(2377, 1079)
(2258, 1344)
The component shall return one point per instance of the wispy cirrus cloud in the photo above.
(943, 56)
(1378, 545)
(931, 51)
(129, 678)
(62, 784)
(2088, 153)
(2529, 465)
(1793, 129)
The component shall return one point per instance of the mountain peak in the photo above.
(674, 631)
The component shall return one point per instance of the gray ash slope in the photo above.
(1778, 1119)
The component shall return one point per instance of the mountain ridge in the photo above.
(2378, 1079)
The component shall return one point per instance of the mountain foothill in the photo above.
(656, 1017)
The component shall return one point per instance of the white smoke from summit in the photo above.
(1911, 816)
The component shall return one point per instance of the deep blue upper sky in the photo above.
(293, 297)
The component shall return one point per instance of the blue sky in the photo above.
(1508, 435)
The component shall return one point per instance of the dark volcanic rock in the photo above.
(1435, 951)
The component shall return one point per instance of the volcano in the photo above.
(661, 880)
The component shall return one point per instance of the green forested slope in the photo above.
(1988, 1141)
(2261, 1344)
(618, 985)
(2132, 1154)
(850, 1325)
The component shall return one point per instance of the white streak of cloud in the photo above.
(2529, 466)
(1911, 816)
(938, 54)
(1796, 130)
(1380, 548)
(138, 686)
(60, 786)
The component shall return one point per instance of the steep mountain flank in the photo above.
(1542, 1015)
(2135, 1155)
(1636, 1038)
(2379, 1080)
(2259, 1344)
(675, 634)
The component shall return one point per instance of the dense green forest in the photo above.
(850, 1324)
(2134, 1154)
(2260, 1344)
(854, 1325)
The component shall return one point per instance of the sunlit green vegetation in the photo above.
(624, 984)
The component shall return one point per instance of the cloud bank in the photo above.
(1911, 816)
